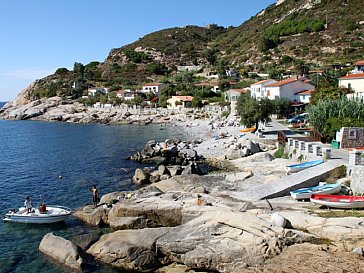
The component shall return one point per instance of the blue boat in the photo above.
(305, 193)
(302, 166)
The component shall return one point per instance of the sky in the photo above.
(39, 36)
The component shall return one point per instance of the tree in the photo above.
(211, 55)
(253, 111)
(329, 93)
(327, 115)
(157, 68)
(197, 102)
(62, 71)
(301, 67)
(79, 69)
(281, 107)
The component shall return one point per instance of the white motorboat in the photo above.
(43, 215)
(305, 193)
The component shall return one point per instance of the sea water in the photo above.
(60, 162)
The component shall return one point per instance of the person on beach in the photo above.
(95, 195)
(28, 204)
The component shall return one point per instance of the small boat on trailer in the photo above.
(338, 201)
(305, 193)
(302, 166)
(43, 215)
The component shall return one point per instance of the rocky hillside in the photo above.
(319, 32)
(316, 31)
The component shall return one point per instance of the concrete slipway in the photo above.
(306, 178)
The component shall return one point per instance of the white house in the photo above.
(304, 96)
(287, 88)
(153, 87)
(212, 75)
(256, 89)
(178, 102)
(355, 82)
(95, 90)
(181, 68)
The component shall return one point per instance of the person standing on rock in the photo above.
(95, 195)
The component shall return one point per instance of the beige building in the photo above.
(178, 102)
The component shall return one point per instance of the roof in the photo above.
(260, 82)
(152, 84)
(241, 90)
(359, 63)
(281, 83)
(353, 76)
(306, 92)
(183, 98)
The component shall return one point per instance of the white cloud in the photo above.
(27, 73)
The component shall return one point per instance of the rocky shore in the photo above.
(60, 109)
(192, 223)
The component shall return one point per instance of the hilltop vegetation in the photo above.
(306, 34)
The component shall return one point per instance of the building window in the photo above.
(349, 85)
(233, 98)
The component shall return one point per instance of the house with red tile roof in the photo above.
(287, 88)
(355, 82)
(178, 102)
(256, 89)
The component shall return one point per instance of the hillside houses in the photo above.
(292, 89)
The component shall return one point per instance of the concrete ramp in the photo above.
(306, 178)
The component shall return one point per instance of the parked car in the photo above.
(297, 119)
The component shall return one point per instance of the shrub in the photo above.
(280, 153)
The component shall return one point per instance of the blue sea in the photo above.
(32, 157)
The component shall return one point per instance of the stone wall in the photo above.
(352, 137)
(356, 171)
(356, 174)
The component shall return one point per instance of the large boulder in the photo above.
(132, 250)
(160, 211)
(63, 251)
(92, 216)
(141, 177)
(226, 241)
(232, 154)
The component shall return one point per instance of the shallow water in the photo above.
(32, 157)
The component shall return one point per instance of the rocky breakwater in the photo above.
(172, 156)
(67, 110)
